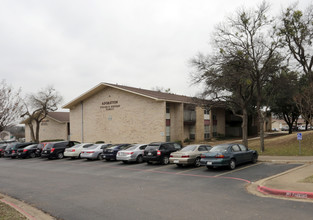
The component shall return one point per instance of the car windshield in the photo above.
(78, 145)
(220, 148)
(189, 148)
(9, 146)
(50, 145)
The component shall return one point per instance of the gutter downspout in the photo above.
(82, 116)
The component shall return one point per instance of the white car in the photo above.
(94, 152)
(75, 151)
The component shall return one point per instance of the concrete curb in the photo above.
(286, 193)
(26, 210)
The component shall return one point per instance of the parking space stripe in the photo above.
(185, 171)
(233, 171)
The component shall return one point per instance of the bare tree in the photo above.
(38, 106)
(248, 37)
(10, 105)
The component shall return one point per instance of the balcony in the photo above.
(189, 117)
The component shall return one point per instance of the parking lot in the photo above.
(81, 189)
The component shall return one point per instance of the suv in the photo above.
(160, 152)
(56, 149)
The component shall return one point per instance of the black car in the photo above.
(39, 148)
(27, 152)
(111, 152)
(2, 149)
(11, 149)
(160, 152)
(56, 149)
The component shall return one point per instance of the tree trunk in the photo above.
(37, 131)
(32, 134)
(244, 127)
(260, 116)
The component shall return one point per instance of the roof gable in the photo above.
(158, 96)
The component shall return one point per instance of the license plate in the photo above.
(19, 153)
(45, 151)
(149, 154)
(209, 163)
(103, 156)
(176, 161)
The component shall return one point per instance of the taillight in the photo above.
(171, 155)
(202, 156)
(83, 152)
(73, 150)
(13, 151)
(52, 149)
(158, 153)
(219, 156)
(25, 150)
(90, 152)
(185, 156)
(130, 153)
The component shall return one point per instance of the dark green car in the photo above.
(229, 155)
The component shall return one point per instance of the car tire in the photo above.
(139, 159)
(125, 161)
(232, 164)
(149, 162)
(99, 157)
(79, 156)
(32, 155)
(179, 165)
(60, 155)
(165, 160)
(254, 158)
(107, 159)
(197, 162)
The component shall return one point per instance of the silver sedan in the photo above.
(132, 154)
(94, 152)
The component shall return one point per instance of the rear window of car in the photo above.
(93, 146)
(152, 147)
(219, 148)
(189, 148)
(132, 147)
(31, 146)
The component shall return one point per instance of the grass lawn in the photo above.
(285, 144)
(8, 213)
(308, 179)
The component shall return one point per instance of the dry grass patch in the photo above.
(9, 213)
(308, 180)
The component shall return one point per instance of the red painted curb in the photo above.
(19, 209)
(286, 193)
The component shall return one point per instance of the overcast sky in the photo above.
(74, 44)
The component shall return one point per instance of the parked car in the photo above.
(75, 151)
(56, 149)
(29, 151)
(40, 147)
(160, 152)
(94, 151)
(228, 155)
(132, 154)
(189, 155)
(11, 149)
(111, 152)
(2, 149)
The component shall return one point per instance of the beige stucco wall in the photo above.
(116, 116)
(177, 121)
(199, 124)
(49, 130)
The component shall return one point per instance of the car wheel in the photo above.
(79, 156)
(99, 157)
(232, 164)
(139, 159)
(32, 155)
(254, 158)
(60, 155)
(165, 160)
(197, 162)
(125, 161)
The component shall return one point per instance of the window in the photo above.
(235, 148)
(143, 147)
(202, 148)
(242, 147)
(206, 132)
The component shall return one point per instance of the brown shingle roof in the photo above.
(158, 96)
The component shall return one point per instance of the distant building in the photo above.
(54, 126)
(117, 114)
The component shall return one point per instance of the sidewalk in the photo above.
(288, 184)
